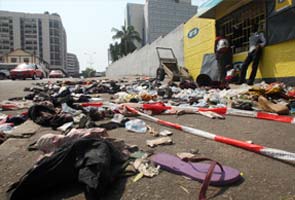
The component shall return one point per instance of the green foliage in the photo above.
(127, 37)
(88, 72)
(115, 51)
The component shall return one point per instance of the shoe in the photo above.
(249, 82)
(240, 82)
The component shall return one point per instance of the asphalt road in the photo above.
(264, 178)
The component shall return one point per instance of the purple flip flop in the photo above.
(220, 174)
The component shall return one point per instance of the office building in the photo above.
(162, 16)
(158, 17)
(73, 66)
(40, 34)
(134, 17)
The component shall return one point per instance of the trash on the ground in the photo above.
(136, 125)
(6, 128)
(272, 107)
(211, 115)
(152, 131)
(138, 177)
(165, 133)
(88, 158)
(144, 166)
(25, 130)
(271, 152)
(15, 105)
(159, 141)
(50, 142)
(118, 118)
(67, 109)
(184, 189)
(183, 155)
(139, 154)
(65, 127)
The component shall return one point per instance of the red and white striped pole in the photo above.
(274, 153)
(223, 111)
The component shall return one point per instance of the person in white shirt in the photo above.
(223, 56)
(256, 43)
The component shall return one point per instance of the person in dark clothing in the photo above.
(223, 55)
(256, 43)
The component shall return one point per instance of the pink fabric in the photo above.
(50, 142)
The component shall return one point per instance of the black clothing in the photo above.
(46, 116)
(224, 60)
(93, 163)
(255, 57)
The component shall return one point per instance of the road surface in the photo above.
(264, 178)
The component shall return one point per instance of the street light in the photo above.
(90, 60)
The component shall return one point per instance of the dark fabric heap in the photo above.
(92, 163)
(46, 116)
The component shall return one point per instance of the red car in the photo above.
(23, 71)
(56, 74)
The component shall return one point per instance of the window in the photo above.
(13, 60)
(26, 60)
(237, 26)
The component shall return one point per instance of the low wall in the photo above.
(145, 60)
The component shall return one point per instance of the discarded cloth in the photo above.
(45, 116)
(50, 142)
(92, 163)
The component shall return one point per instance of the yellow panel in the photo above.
(199, 38)
(277, 61)
(226, 7)
(281, 4)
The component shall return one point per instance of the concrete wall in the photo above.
(145, 60)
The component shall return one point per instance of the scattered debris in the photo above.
(159, 141)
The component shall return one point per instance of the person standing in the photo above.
(256, 43)
(223, 56)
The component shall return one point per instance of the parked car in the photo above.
(56, 74)
(4, 73)
(23, 71)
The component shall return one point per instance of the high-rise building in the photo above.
(158, 17)
(73, 66)
(162, 16)
(135, 17)
(40, 34)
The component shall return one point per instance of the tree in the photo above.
(88, 72)
(115, 51)
(127, 37)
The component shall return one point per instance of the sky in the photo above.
(88, 24)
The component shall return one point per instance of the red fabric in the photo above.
(8, 106)
(94, 104)
(291, 93)
(156, 108)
